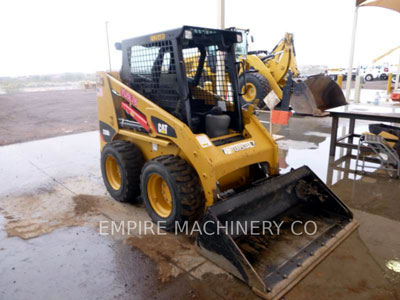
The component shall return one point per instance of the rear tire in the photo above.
(369, 77)
(121, 164)
(171, 191)
(257, 88)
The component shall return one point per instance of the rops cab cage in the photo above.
(187, 72)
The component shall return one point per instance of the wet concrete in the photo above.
(53, 200)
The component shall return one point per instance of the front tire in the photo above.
(121, 164)
(171, 191)
(257, 87)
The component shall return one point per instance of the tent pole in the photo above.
(351, 58)
(221, 14)
(108, 46)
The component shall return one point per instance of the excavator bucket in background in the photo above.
(272, 261)
(316, 94)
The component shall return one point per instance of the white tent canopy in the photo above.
(389, 4)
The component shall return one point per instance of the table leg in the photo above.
(352, 124)
(335, 123)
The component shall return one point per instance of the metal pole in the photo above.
(108, 46)
(389, 84)
(396, 86)
(357, 89)
(339, 80)
(220, 72)
(351, 58)
(221, 14)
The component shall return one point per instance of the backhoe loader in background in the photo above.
(266, 71)
(180, 139)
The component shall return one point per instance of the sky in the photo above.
(48, 37)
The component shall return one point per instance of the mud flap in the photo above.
(315, 95)
(238, 233)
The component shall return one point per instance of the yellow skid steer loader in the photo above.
(178, 137)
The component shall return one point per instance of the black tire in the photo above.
(130, 162)
(369, 77)
(184, 186)
(261, 84)
(383, 77)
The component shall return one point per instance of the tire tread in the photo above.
(188, 185)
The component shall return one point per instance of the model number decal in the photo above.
(238, 147)
(106, 132)
(129, 97)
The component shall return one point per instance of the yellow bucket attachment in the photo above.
(272, 261)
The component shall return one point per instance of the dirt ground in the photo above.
(37, 115)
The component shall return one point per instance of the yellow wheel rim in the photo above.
(251, 92)
(113, 172)
(159, 195)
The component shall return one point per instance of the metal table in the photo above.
(355, 112)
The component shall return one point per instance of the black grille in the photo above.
(153, 74)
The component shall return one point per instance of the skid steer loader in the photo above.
(266, 71)
(180, 138)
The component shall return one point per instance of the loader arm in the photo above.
(253, 61)
(312, 96)
(275, 69)
(284, 59)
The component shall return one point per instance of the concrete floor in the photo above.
(52, 199)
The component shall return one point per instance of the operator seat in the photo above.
(217, 123)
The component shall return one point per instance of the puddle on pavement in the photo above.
(32, 215)
(350, 272)
(86, 204)
(299, 145)
(373, 193)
